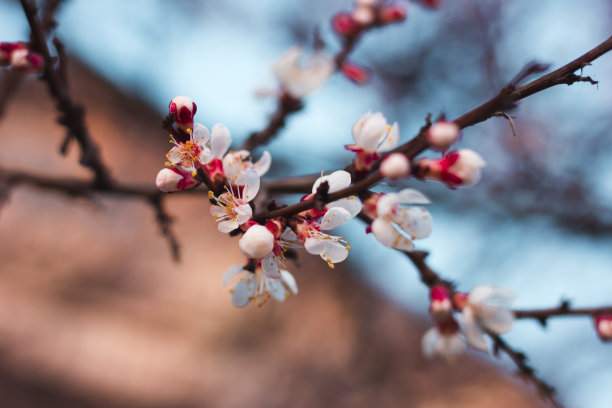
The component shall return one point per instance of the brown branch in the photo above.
(564, 309)
(165, 225)
(72, 114)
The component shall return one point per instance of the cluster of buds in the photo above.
(367, 14)
(485, 309)
(19, 57)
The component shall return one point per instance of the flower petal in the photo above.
(270, 267)
(277, 290)
(201, 135)
(334, 217)
(412, 196)
(386, 205)
(220, 140)
(243, 213)
(415, 221)
(474, 335)
(430, 342)
(217, 211)
(390, 140)
(242, 293)
(263, 164)
(352, 205)
(334, 252)
(231, 273)
(227, 226)
(250, 180)
(337, 181)
(289, 280)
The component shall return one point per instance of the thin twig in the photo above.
(564, 309)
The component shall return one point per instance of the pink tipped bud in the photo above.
(395, 166)
(171, 180)
(22, 59)
(344, 25)
(441, 305)
(431, 3)
(603, 325)
(257, 242)
(364, 15)
(458, 168)
(442, 135)
(184, 109)
(356, 73)
(392, 13)
(6, 49)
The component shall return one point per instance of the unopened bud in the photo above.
(364, 15)
(184, 109)
(458, 168)
(431, 3)
(395, 166)
(256, 242)
(441, 305)
(441, 135)
(173, 180)
(356, 73)
(392, 13)
(603, 325)
(344, 25)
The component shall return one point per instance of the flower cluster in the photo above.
(199, 156)
(484, 310)
(19, 57)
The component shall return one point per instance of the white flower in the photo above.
(372, 135)
(233, 209)
(397, 226)
(487, 309)
(257, 286)
(448, 345)
(298, 80)
(173, 180)
(273, 263)
(236, 163)
(193, 153)
(256, 242)
(395, 166)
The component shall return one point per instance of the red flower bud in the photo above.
(344, 25)
(184, 109)
(357, 74)
(392, 13)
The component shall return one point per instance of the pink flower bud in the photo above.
(184, 109)
(356, 73)
(364, 15)
(344, 25)
(441, 306)
(171, 180)
(6, 49)
(392, 13)
(442, 135)
(256, 242)
(456, 169)
(603, 325)
(395, 166)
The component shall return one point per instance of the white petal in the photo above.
(412, 196)
(387, 205)
(277, 290)
(337, 181)
(491, 295)
(289, 280)
(334, 217)
(200, 134)
(371, 132)
(472, 331)
(387, 235)
(415, 221)
(220, 140)
(243, 213)
(250, 180)
(450, 347)
(288, 235)
(334, 252)
(352, 205)
(314, 246)
(496, 319)
(430, 342)
(242, 292)
(227, 226)
(269, 265)
(231, 273)
(205, 155)
(359, 125)
(174, 157)
(263, 164)
(390, 140)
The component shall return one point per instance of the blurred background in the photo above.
(93, 312)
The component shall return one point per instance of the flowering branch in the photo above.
(72, 114)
